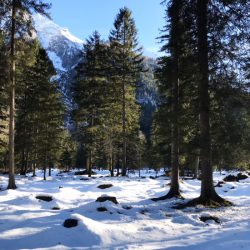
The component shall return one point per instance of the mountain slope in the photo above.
(62, 47)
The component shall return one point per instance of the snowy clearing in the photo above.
(135, 223)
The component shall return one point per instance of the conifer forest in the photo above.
(105, 147)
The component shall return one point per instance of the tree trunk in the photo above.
(34, 162)
(11, 184)
(35, 155)
(207, 187)
(45, 167)
(34, 168)
(112, 163)
(109, 161)
(208, 195)
(22, 163)
(118, 163)
(124, 143)
(26, 163)
(174, 188)
(44, 172)
(197, 163)
(175, 34)
(50, 166)
(90, 164)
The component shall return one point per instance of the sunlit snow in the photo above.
(135, 223)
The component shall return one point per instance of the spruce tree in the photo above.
(175, 43)
(207, 187)
(40, 114)
(170, 75)
(24, 104)
(208, 194)
(89, 96)
(126, 65)
(3, 100)
(206, 13)
(49, 116)
(20, 21)
(68, 151)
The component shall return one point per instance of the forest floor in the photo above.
(136, 222)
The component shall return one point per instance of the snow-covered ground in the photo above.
(135, 223)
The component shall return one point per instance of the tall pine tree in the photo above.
(126, 60)
(20, 22)
(40, 113)
(89, 96)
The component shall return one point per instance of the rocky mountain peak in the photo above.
(62, 47)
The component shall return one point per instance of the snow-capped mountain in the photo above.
(62, 47)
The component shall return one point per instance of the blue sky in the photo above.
(82, 17)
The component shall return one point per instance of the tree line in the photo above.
(202, 118)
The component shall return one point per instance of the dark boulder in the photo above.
(104, 186)
(70, 223)
(206, 218)
(44, 198)
(55, 208)
(230, 178)
(84, 172)
(102, 209)
(107, 198)
(233, 178)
